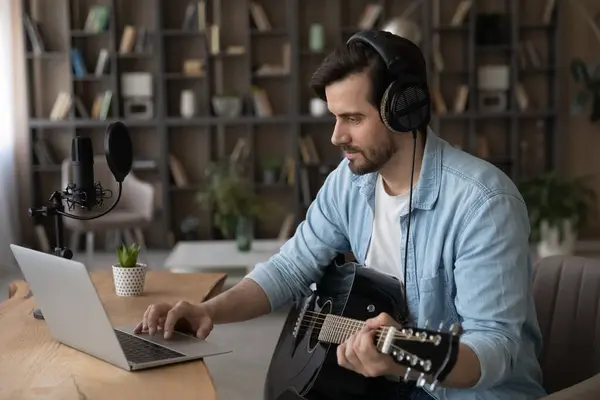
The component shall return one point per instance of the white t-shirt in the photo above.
(385, 250)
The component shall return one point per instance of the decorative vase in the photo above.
(244, 234)
(317, 107)
(556, 240)
(129, 281)
(316, 38)
(188, 104)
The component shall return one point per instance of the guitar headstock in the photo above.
(425, 351)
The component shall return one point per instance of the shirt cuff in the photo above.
(269, 278)
(494, 360)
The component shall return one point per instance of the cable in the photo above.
(410, 193)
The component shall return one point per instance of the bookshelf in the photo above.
(254, 49)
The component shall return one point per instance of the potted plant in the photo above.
(236, 206)
(129, 275)
(271, 167)
(557, 209)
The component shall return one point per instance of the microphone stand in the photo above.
(56, 209)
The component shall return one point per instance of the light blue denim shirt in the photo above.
(468, 261)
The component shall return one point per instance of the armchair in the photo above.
(567, 296)
(134, 211)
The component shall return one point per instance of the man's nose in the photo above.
(339, 136)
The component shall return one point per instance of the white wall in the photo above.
(8, 189)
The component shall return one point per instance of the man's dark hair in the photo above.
(356, 57)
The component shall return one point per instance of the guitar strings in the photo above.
(317, 320)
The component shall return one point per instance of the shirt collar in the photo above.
(428, 187)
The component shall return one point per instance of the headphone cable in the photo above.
(410, 193)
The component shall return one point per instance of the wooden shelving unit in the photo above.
(207, 137)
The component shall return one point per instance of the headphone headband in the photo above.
(387, 50)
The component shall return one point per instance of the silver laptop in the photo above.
(75, 316)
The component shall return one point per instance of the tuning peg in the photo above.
(426, 324)
(441, 326)
(455, 329)
(407, 374)
(433, 385)
(421, 381)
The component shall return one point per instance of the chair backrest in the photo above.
(567, 299)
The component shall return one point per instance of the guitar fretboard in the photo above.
(337, 329)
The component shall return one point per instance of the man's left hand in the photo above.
(359, 354)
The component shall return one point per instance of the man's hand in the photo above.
(182, 316)
(359, 353)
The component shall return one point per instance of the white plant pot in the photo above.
(129, 281)
(556, 240)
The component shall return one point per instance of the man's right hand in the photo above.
(182, 316)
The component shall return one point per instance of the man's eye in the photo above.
(353, 120)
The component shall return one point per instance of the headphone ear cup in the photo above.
(405, 106)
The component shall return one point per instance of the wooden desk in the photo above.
(34, 366)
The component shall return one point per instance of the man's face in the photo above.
(367, 143)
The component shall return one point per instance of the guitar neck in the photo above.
(337, 329)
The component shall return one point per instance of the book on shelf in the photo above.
(63, 104)
(288, 174)
(195, 17)
(308, 151)
(548, 12)
(282, 69)
(34, 35)
(127, 39)
(461, 13)
(102, 63)
(97, 19)
(261, 103)
(101, 105)
(178, 175)
(43, 152)
(438, 101)
(78, 63)
(460, 101)
(214, 39)
(370, 15)
(259, 17)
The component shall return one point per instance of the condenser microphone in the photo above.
(83, 191)
(82, 161)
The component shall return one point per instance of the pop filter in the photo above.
(118, 150)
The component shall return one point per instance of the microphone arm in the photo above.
(57, 210)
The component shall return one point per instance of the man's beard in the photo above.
(373, 159)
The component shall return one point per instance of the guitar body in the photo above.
(304, 368)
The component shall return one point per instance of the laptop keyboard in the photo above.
(139, 350)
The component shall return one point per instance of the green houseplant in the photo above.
(129, 274)
(270, 167)
(236, 206)
(557, 208)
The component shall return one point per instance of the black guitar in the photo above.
(304, 365)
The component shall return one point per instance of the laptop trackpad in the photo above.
(186, 344)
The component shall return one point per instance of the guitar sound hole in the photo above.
(317, 324)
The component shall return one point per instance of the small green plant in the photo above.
(128, 255)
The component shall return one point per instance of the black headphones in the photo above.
(405, 105)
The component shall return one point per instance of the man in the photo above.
(468, 253)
